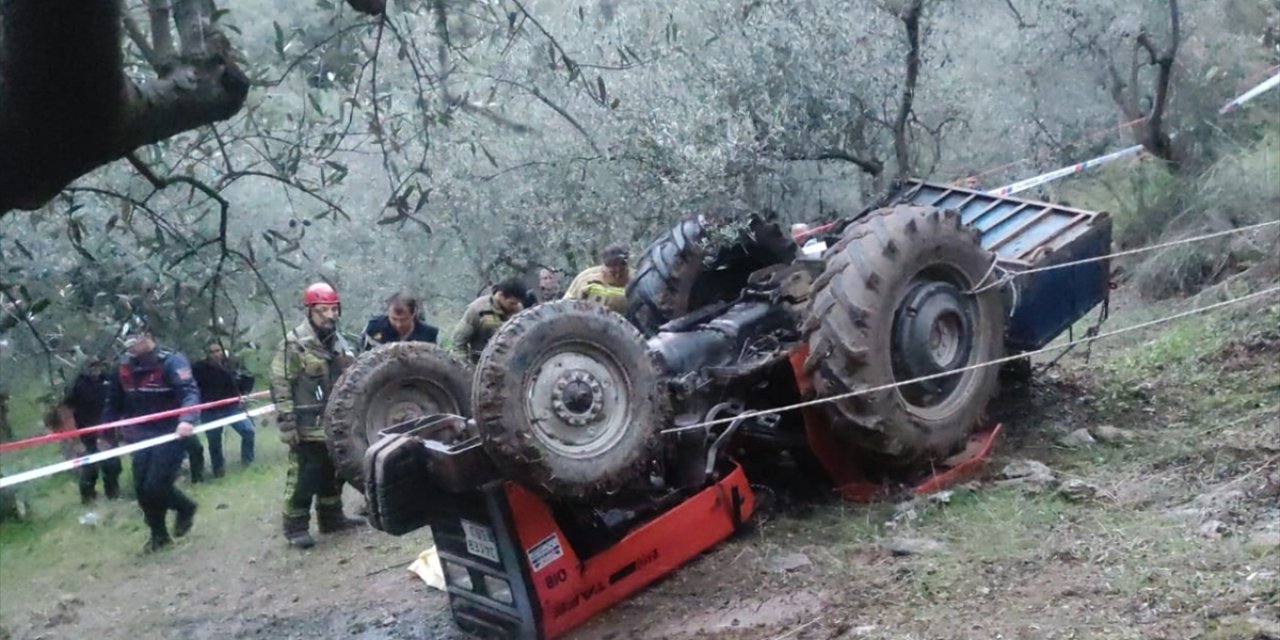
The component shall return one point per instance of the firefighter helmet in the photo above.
(320, 293)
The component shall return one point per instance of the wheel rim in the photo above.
(405, 399)
(935, 330)
(579, 400)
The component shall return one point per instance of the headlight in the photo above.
(498, 589)
(458, 575)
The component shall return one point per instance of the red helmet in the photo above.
(320, 293)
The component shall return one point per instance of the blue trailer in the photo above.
(1025, 235)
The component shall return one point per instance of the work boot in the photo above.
(219, 472)
(182, 524)
(156, 543)
(333, 520)
(297, 534)
(112, 491)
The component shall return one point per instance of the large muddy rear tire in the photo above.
(663, 285)
(893, 305)
(385, 386)
(570, 401)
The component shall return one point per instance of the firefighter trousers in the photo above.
(311, 476)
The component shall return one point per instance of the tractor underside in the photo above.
(589, 454)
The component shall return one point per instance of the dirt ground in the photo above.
(1165, 527)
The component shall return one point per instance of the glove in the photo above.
(288, 429)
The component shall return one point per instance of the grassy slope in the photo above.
(1130, 564)
(1018, 564)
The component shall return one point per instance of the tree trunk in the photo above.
(67, 108)
(910, 18)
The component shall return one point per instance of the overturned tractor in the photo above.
(590, 453)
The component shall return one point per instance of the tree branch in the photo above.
(161, 36)
(564, 113)
(224, 208)
(1022, 24)
(196, 93)
(235, 176)
(65, 110)
(140, 41)
(307, 54)
(871, 166)
(189, 17)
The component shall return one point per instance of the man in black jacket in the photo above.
(220, 377)
(85, 398)
(399, 324)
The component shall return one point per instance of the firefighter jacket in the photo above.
(478, 324)
(594, 284)
(302, 375)
(159, 382)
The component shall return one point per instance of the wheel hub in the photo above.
(932, 333)
(405, 400)
(579, 400)
(578, 397)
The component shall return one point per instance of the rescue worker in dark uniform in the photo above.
(483, 317)
(399, 324)
(303, 371)
(85, 398)
(605, 283)
(219, 378)
(151, 380)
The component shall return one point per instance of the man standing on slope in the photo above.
(220, 378)
(303, 371)
(86, 397)
(152, 380)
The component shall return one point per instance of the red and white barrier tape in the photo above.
(1266, 86)
(68, 465)
(1044, 178)
(72, 433)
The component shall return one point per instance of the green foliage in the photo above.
(443, 152)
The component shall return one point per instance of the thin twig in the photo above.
(306, 54)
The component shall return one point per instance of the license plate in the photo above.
(480, 541)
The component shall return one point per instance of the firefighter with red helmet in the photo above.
(306, 365)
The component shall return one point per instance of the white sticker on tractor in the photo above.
(548, 550)
(480, 541)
